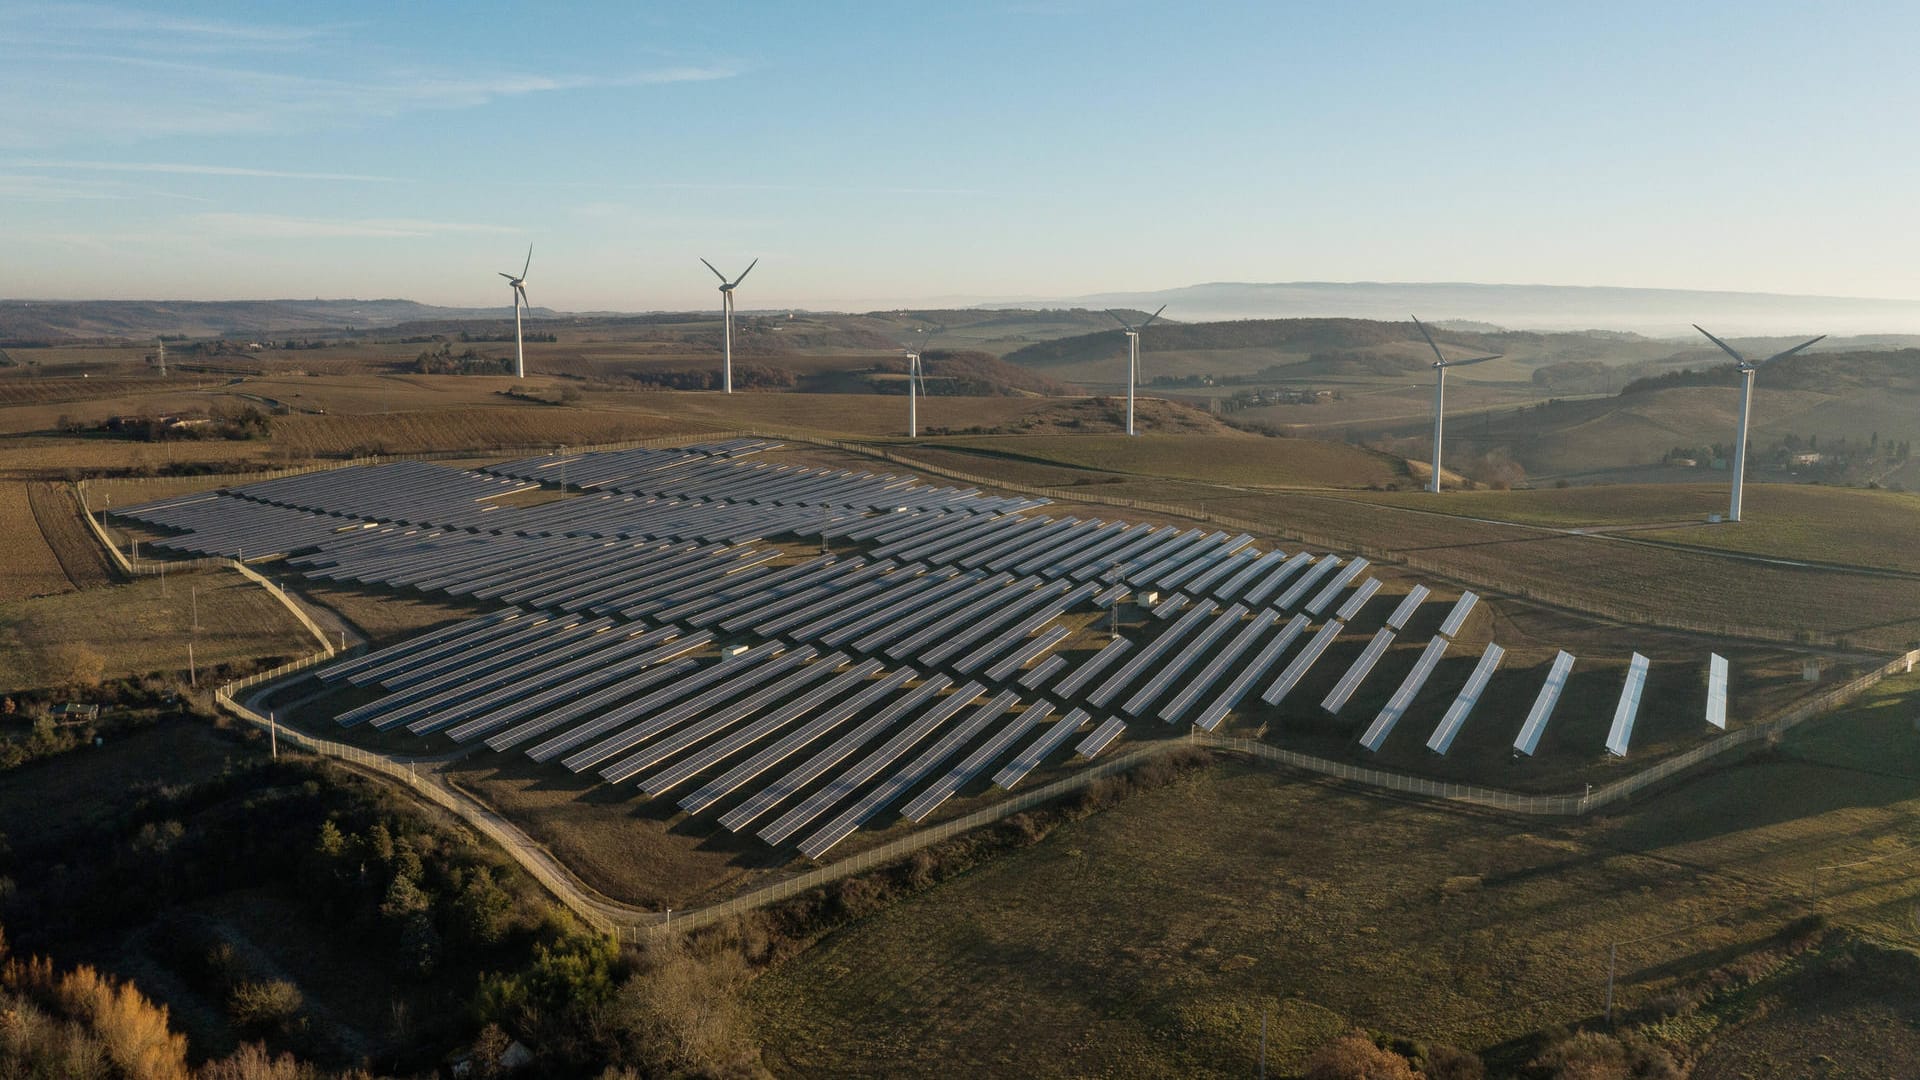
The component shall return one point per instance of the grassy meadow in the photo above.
(144, 626)
(1148, 940)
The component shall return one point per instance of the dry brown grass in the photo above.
(73, 543)
(145, 626)
(29, 568)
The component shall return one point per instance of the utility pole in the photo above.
(194, 590)
(1613, 952)
(273, 733)
(193, 673)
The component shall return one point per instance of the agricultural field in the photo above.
(144, 626)
(1230, 459)
(1847, 526)
(74, 545)
(30, 569)
(1151, 938)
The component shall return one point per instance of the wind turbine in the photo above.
(519, 287)
(1133, 355)
(1440, 366)
(915, 374)
(1747, 368)
(726, 307)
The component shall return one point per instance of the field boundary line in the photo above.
(1615, 612)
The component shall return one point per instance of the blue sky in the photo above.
(882, 153)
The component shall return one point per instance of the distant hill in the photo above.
(143, 320)
(1656, 312)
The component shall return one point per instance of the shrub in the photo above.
(266, 1008)
(1354, 1056)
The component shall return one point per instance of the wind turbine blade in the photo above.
(1475, 360)
(1728, 349)
(744, 273)
(1437, 354)
(509, 277)
(1121, 321)
(522, 290)
(1152, 317)
(1790, 352)
(716, 273)
(529, 265)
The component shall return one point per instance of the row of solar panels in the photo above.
(725, 479)
(529, 673)
(644, 709)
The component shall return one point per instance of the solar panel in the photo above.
(1362, 664)
(1093, 666)
(1021, 657)
(744, 677)
(1340, 581)
(654, 751)
(1290, 677)
(845, 705)
(672, 692)
(1101, 738)
(772, 755)
(1396, 706)
(870, 766)
(956, 778)
(1271, 583)
(1044, 670)
(1458, 616)
(1190, 693)
(643, 678)
(883, 795)
(1213, 714)
(341, 670)
(1408, 605)
(1456, 715)
(1298, 589)
(1147, 695)
(1252, 569)
(1529, 738)
(1628, 707)
(806, 772)
(1133, 668)
(1717, 691)
(1358, 600)
(1036, 752)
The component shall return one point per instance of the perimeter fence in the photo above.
(632, 924)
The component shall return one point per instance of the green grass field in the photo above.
(1149, 939)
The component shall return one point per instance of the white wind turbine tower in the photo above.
(163, 359)
(519, 287)
(1440, 366)
(1747, 368)
(726, 308)
(1133, 355)
(915, 375)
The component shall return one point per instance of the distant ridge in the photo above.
(1654, 312)
(54, 320)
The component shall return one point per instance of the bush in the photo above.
(1354, 1056)
(266, 1008)
(682, 1014)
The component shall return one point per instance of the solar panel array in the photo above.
(649, 634)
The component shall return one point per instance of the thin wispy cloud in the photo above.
(181, 169)
(282, 227)
(74, 75)
(33, 187)
(53, 23)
